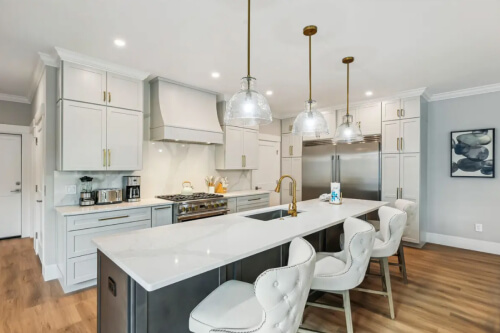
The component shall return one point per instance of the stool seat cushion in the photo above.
(327, 264)
(233, 305)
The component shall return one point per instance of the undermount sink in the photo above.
(271, 215)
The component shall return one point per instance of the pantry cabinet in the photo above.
(240, 150)
(291, 145)
(90, 85)
(401, 136)
(401, 109)
(292, 167)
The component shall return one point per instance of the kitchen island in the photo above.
(149, 280)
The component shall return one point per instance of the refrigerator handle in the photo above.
(338, 168)
(334, 170)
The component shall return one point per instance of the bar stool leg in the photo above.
(402, 263)
(347, 309)
(382, 274)
(387, 275)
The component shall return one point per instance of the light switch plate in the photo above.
(479, 227)
(70, 189)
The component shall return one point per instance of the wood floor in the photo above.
(449, 290)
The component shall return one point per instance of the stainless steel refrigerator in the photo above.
(357, 167)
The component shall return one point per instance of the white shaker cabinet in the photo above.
(240, 150)
(401, 108)
(124, 92)
(331, 120)
(401, 136)
(409, 178)
(287, 125)
(83, 83)
(390, 137)
(124, 139)
(291, 145)
(390, 177)
(368, 117)
(82, 136)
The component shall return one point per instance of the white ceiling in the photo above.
(399, 45)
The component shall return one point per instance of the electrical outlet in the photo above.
(70, 189)
(479, 227)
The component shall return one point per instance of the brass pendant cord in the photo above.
(348, 89)
(248, 54)
(310, 72)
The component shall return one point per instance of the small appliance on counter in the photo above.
(187, 188)
(86, 192)
(132, 188)
(108, 196)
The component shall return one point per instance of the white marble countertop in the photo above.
(244, 193)
(162, 256)
(78, 210)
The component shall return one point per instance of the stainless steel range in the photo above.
(196, 206)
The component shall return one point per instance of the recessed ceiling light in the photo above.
(120, 42)
(269, 93)
(369, 93)
(215, 75)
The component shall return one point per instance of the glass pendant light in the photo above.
(348, 132)
(310, 122)
(248, 107)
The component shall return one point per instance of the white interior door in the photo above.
(124, 140)
(390, 177)
(10, 186)
(268, 172)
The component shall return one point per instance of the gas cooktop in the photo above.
(194, 196)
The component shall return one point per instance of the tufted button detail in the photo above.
(276, 325)
(285, 297)
(276, 284)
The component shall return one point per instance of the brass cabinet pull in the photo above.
(397, 143)
(104, 157)
(397, 192)
(109, 157)
(402, 144)
(402, 112)
(104, 96)
(109, 97)
(398, 113)
(245, 159)
(290, 150)
(401, 193)
(254, 199)
(290, 127)
(114, 218)
(242, 162)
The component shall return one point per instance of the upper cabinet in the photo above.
(331, 120)
(366, 116)
(89, 85)
(99, 120)
(291, 145)
(287, 125)
(240, 150)
(401, 109)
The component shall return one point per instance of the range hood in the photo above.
(183, 113)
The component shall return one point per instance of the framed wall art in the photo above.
(473, 153)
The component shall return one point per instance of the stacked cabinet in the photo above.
(100, 120)
(403, 145)
(291, 161)
(240, 150)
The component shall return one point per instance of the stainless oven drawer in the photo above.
(204, 215)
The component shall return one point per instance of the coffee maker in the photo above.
(132, 188)
(86, 198)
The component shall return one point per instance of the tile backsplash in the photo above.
(165, 166)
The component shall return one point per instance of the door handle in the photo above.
(109, 157)
(258, 188)
(104, 96)
(290, 152)
(402, 144)
(397, 192)
(162, 208)
(104, 158)
(401, 193)
(244, 161)
(397, 143)
(109, 97)
(16, 191)
(402, 112)
(40, 201)
(399, 113)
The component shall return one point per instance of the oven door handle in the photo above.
(207, 214)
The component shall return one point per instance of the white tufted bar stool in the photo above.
(339, 272)
(274, 304)
(387, 242)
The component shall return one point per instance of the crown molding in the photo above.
(14, 98)
(78, 58)
(43, 60)
(466, 92)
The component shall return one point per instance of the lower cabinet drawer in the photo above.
(253, 199)
(79, 242)
(95, 220)
(81, 269)
(252, 207)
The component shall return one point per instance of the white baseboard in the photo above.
(50, 272)
(463, 243)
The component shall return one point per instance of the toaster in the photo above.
(108, 196)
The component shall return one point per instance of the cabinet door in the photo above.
(390, 177)
(124, 139)
(251, 149)
(331, 120)
(410, 108)
(161, 215)
(124, 92)
(287, 125)
(297, 171)
(83, 136)
(390, 137)
(286, 145)
(231, 205)
(369, 118)
(84, 84)
(410, 176)
(390, 110)
(296, 145)
(410, 135)
(233, 144)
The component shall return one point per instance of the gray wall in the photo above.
(273, 128)
(12, 113)
(456, 204)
